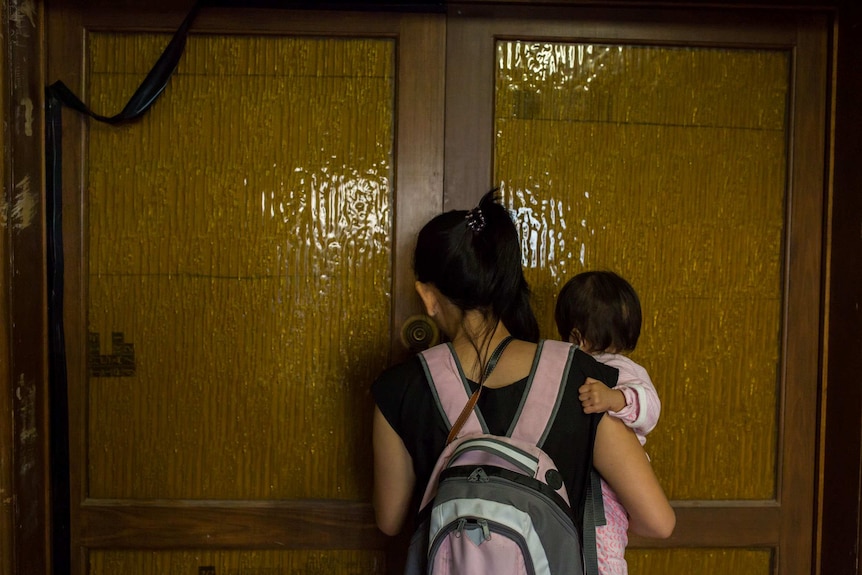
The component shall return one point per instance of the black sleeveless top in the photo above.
(403, 395)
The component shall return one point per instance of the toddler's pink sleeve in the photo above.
(643, 406)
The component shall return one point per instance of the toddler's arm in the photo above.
(643, 407)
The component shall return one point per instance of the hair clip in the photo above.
(475, 220)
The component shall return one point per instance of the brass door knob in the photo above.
(419, 332)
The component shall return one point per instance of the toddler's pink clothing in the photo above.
(641, 414)
(612, 538)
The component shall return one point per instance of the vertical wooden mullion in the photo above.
(420, 79)
(802, 313)
(469, 110)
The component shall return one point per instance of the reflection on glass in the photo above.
(542, 66)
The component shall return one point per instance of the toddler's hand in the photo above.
(596, 397)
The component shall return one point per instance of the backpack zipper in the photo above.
(488, 528)
(480, 476)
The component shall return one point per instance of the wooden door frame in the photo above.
(839, 526)
(24, 355)
(24, 449)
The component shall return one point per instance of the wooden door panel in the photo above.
(243, 257)
(669, 149)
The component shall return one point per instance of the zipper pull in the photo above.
(486, 531)
(478, 476)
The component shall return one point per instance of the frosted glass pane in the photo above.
(239, 267)
(700, 561)
(666, 165)
(218, 562)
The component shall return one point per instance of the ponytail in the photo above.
(474, 258)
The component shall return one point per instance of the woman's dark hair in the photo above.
(600, 308)
(474, 259)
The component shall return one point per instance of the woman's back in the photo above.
(404, 397)
(469, 277)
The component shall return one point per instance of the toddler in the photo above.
(600, 312)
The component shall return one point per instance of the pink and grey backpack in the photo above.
(497, 504)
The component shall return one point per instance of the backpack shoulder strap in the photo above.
(545, 387)
(450, 388)
(594, 517)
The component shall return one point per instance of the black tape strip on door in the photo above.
(58, 96)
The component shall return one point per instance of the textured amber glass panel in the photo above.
(236, 563)
(700, 561)
(239, 252)
(666, 165)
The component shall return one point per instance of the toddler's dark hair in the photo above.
(601, 309)
(474, 259)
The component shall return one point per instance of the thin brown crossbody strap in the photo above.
(471, 403)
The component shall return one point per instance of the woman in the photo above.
(470, 280)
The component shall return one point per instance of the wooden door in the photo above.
(237, 274)
(242, 254)
(687, 153)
